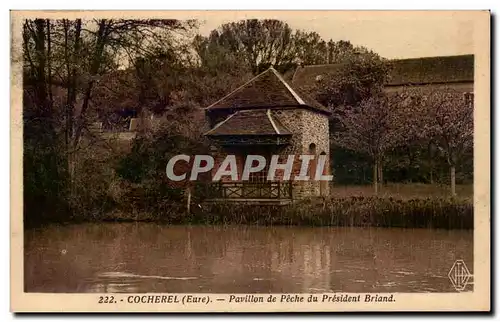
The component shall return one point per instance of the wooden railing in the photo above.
(250, 190)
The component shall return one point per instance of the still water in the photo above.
(146, 257)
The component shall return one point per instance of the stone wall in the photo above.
(315, 140)
(291, 119)
(308, 128)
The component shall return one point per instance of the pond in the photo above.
(148, 257)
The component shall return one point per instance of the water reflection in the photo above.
(143, 257)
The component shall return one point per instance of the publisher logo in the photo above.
(459, 275)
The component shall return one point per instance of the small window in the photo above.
(312, 148)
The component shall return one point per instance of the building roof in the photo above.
(429, 70)
(249, 122)
(267, 90)
(421, 71)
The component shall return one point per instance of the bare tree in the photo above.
(370, 128)
(450, 126)
(440, 118)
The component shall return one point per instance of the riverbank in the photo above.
(403, 191)
(444, 213)
(396, 205)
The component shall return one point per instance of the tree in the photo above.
(340, 51)
(201, 74)
(87, 51)
(358, 76)
(439, 120)
(179, 131)
(361, 74)
(261, 43)
(219, 72)
(145, 88)
(63, 62)
(310, 48)
(446, 119)
(370, 128)
(43, 179)
(413, 142)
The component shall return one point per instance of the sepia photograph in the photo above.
(250, 161)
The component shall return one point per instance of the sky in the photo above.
(391, 34)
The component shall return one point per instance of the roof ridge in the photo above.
(391, 60)
(220, 123)
(431, 57)
(321, 65)
(246, 110)
(237, 89)
(272, 121)
(290, 89)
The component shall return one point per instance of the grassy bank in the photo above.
(442, 213)
(402, 191)
(396, 205)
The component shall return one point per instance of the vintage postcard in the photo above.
(245, 161)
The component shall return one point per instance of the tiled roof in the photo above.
(306, 77)
(266, 90)
(426, 70)
(249, 122)
(430, 70)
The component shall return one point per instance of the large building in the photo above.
(455, 72)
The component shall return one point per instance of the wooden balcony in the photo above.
(261, 192)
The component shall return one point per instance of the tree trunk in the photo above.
(452, 180)
(71, 69)
(42, 101)
(71, 56)
(431, 162)
(49, 64)
(188, 206)
(380, 173)
(94, 68)
(375, 177)
(431, 171)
